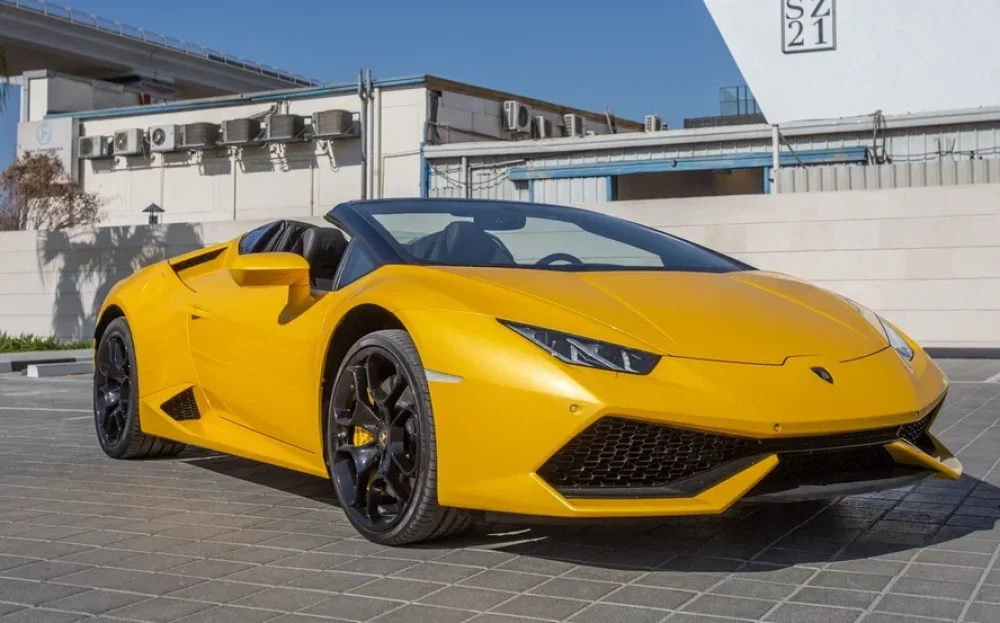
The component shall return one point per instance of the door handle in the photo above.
(197, 312)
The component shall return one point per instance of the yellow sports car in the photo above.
(442, 358)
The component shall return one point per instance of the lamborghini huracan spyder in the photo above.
(440, 358)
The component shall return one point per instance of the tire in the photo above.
(420, 518)
(116, 400)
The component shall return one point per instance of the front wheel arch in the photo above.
(360, 321)
(110, 313)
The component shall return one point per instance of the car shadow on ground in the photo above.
(749, 537)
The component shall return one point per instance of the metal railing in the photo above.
(140, 34)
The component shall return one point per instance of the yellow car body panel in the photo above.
(740, 365)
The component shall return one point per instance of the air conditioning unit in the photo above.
(93, 147)
(164, 137)
(516, 117)
(281, 128)
(653, 123)
(129, 142)
(573, 125)
(201, 135)
(543, 127)
(240, 131)
(334, 124)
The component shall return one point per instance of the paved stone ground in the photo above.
(218, 539)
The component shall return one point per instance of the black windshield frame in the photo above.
(358, 218)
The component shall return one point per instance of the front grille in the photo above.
(616, 453)
(183, 406)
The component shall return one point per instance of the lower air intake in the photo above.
(183, 406)
(623, 454)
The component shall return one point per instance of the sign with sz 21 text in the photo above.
(808, 26)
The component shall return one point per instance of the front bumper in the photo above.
(508, 415)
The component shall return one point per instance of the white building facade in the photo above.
(275, 159)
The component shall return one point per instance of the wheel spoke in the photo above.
(101, 407)
(119, 415)
(398, 484)
(371, 375)
(364, 417)
(363, 460)
(343, 417)
(119, 359)
(402, 442)
(387, 399)
(373, 499)
(360, 384)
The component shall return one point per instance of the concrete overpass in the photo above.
(40, 35)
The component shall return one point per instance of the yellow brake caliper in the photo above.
(362, 436)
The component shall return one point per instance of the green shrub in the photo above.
(24, 343)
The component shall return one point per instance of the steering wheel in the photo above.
(555, 257)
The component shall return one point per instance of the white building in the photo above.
(289, 153)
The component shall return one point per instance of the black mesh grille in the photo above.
(619, 453)
(616, 452)
(183, 406)
(916, 433)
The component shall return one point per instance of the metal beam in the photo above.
(700, 163)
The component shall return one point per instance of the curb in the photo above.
(44, 370)
(945, 352)
(19, 362)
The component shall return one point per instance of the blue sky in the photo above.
(637, 56)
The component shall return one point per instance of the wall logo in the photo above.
(808, 26)
(43, 134)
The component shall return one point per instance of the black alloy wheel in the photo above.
(380, 444)
(116, 391)
(377, 432)
(112, 389)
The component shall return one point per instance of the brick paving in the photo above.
(206, 538)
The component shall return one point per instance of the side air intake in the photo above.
(183, 406)
(197, 260)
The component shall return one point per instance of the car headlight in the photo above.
(892, 337)
(581, 351)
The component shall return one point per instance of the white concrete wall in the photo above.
(55, 282)
(926, 258)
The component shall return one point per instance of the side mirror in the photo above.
(270, 269)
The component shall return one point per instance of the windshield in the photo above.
(527, 235)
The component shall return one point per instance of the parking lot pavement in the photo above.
(217, 539)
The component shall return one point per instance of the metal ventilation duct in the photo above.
(197, 135)
(285, 127)
(333, 124)
(239, 131)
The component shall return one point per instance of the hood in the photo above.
(744, 317)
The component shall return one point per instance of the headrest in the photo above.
(286, 236)
(464, 242)
(323, 246)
